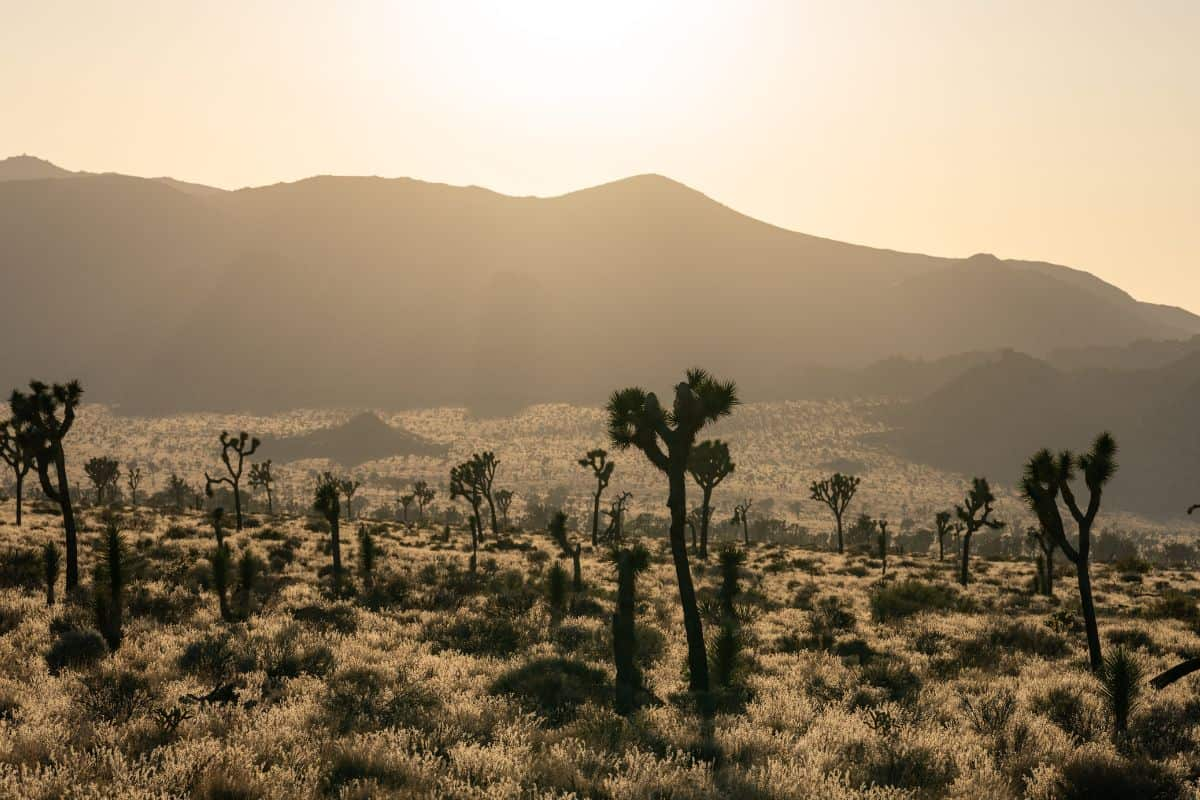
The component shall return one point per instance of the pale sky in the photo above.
(1059, 131)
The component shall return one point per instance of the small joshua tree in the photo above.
(102, 472)
(558, 532)
(217, 517)
(261, 478)
(405, 502)
(975, 514)
(741, 514)
(20, 460)
(109, 586)
(556, 591)
(836, 492)
(327, 504)
(367, 553)
(1120, 677)
(709, 464)
(349, 487)
(942, 528)
(728, 644)
(629, 563)
(1044, 543)
(233, 449)
(133, 479)
(178, 489)
(602, 469)
(466, 482)
(250, 568)
(504, 498)
(637, 419)
(615, 530)
(424, 494)
(1047, 478)
(485, 469)
(883, 543)
(36, 420)
(51, 560)
(222, 561)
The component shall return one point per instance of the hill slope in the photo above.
(363, 291)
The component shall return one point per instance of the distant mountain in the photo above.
(163, 296)
(29, 168)
(992, 417)
(363, 438)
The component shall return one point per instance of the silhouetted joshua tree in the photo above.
(18, 457)
(942, 528)
(636, 419)
(1047, 478)
(102, 472)
(405, 502)
(485, 467)
(178, 489)
(241, 447)
(741, 516)
(504, 498)
(558, 532)
(51, 560)
(327, 504)
(836, 492)
(133, 479)
(1045, 544)
(109, 587)
(35, 417)
(261, 478)
(975, 514)
(368, 552)
(349, 487)
(217, 517)
(729, 643)
(466, 482)
(615, 530)
(630, 562)
(883, 543)
(709, 464)
(221, 561)
(424, 494)
(602, 469)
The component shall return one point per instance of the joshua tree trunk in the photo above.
(964, 574)
(578, 576)
(705, 513)
(270, 503)
(20, 483)
(62, 495)
(596, 519)
(692, 625)
(841, 542)
(1089, 613)
(474, 541)
(941, 548)
(492, 512)
(335, 543)
(624, 643)
(745, 530)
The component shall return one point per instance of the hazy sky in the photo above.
(1063, 131)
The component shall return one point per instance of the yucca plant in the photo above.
(327, 504)
(51, 560)
(556, 589)
(222, 561)
(366, 555)
(1121, 677)
(109, 587)
(629, 562)
(726, 649)
(558, 532)
(665, 437)
(249, 568)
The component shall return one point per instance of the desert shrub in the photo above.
(555, 688)
(116, 695)
(280, 556)
(894, 676)
(475, 634)
(340, 617)
(76, 649)
(1132, 638)
(288, 653)
(855, 648)
(829, 618)
(1066, 708)
(169, 607)
(908, 597)
(215, 656)
(181, 532)
(804, 595)
(228, 782)
(1094, 774)
(316, 525)
(371, 697)
(21, 569)
(10, 618)
(1175, 604)
(1016, 636)
(1132, 565)
(1166, 728)
(360, 764)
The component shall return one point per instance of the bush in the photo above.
(555, 688)
(21, 569)
(215, 657)
(117, 695)
(908, 597)
(371, 697)
(76, 649)
(1093, 774)
(1066, 708)
(340, 617)
(1175, 604)
(475, 634)
(1018, 636)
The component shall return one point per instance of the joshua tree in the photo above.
(367, 552)
(326, 503)
(261, 478)
(424, 494)
(349, 487)
(615, 531)
(1121, 684)
(836, 492)
(727, 647)
(221, 560)
(975, 514)
(18, 458)
(504, 498)
(217, 517)
(883, 543)
(1047, 478)
(51, 560)
(556, 591)
(636, 419)
(1045, 544)
(485, 468)
(597, 461)
(250, 567)
(405, 502)
(708, 464)
(693, 523)
(558, 532)
(943, 528)
(35, 417)
(109, 586)
(466, 482)
(241, 447)
(102, 472)
(133, 479)
(741, 513)
(630, 562)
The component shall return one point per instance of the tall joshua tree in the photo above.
(741, 516)
(37, 421)
(466, 482)
(424, 494)
(102, 472)
(133, 479)
(975, 513)
(602, 469)
(485, 468)
(1048, 478)
(19, 459)
(327, 504)
(709, 464)
(261, 478)
(943, 528)
(836, 492)
(233, 449)
(665, 437)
